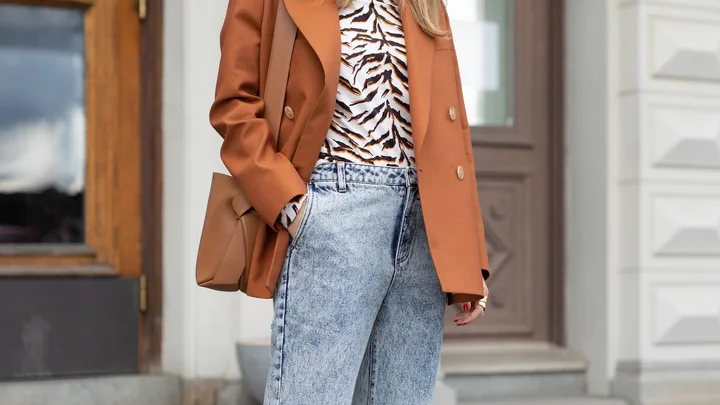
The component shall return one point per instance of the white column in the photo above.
(200, 327)
(589, 121)
(666, 231)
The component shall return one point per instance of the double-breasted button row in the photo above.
(453, 116)
(289, 113)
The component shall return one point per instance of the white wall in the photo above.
(643, 192)
(200, 327)
(669, 180)
(668, 183)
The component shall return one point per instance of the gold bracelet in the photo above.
(483, 303)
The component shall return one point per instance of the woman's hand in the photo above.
(295, 224)
(471, 310)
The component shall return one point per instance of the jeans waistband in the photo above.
(361, 173)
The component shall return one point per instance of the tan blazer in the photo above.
(271, 178)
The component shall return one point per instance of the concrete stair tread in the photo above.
(467, 358)
(549, 401)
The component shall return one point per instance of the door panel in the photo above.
(68, 326)
(504, 63)
(70, 187)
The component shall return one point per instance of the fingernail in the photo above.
(466, 307)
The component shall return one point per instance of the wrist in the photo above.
(290, 213)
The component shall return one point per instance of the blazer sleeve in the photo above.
(485, 265)
(267, 177)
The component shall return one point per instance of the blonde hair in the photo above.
(425, 12)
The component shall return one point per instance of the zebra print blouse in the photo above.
(371, 123)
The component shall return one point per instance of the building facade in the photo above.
(596, 133)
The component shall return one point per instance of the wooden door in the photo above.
(70, 188)
(505, 55)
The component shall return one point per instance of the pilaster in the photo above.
(667, 183)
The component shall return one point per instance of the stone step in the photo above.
(463, 358)
(129, 389)
(485, 371)
(550, 401)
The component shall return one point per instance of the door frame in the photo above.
(557, 172)
(151, 78)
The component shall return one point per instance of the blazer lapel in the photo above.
(420, 55)
(318, 21)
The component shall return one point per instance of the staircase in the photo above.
(517, 374)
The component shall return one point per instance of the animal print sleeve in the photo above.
(289, 213)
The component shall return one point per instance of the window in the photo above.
(69, 138)
(483, 33)
(42, 124)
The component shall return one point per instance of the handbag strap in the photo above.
(279, 68)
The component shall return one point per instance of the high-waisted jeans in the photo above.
(358, 307)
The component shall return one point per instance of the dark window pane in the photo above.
(42, 124)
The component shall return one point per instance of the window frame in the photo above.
(113, 214)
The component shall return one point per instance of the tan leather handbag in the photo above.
(231, 224)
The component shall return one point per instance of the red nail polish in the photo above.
(466, 307)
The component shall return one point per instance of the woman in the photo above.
(374, 124)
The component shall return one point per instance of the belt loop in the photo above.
(342, 185)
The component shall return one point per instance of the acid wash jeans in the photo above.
(358, 307)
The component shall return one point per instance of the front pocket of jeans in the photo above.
(309, 202)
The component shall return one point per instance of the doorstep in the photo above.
(476, 358)
(480, 371)
(552, 401)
